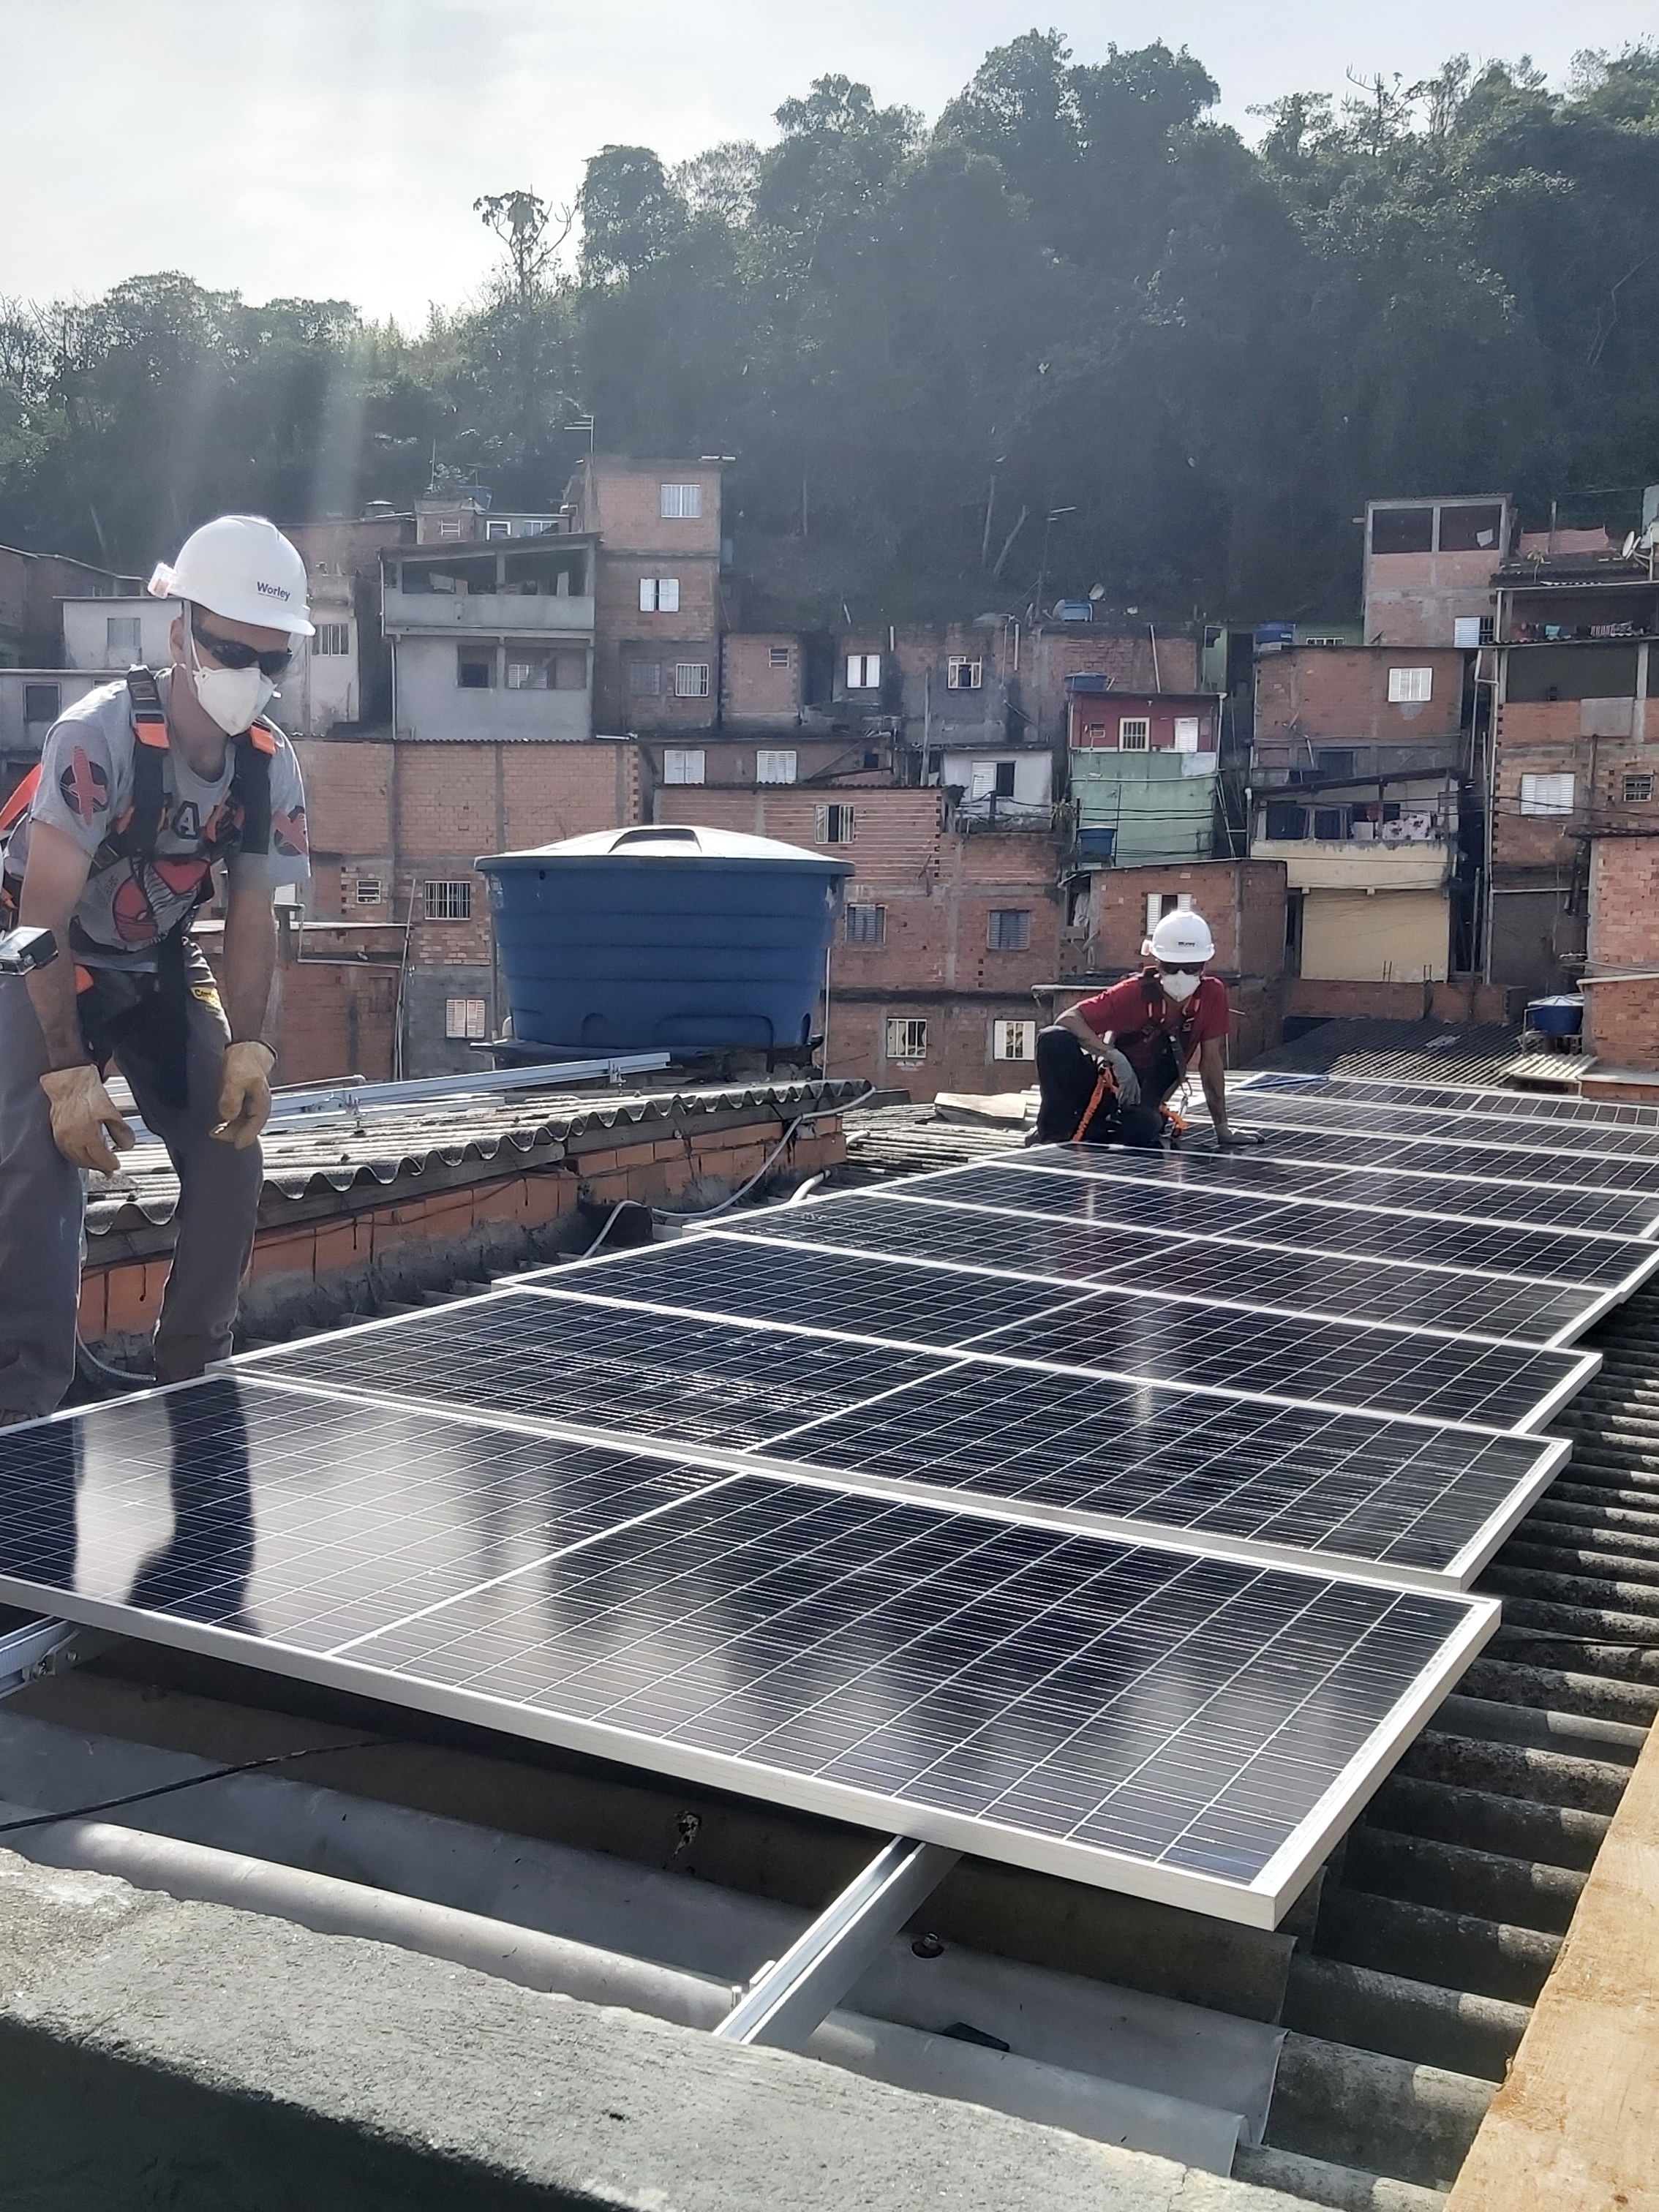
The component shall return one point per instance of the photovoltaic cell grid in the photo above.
(1180, 1726)
(639, 1373)
(1412, 1495)
(1458, 1121)
(1539, 1255)
(1520, 1105)
(1444, 1155)
(1355, 1491)
(1438, 1377)
(863, 1296)
(1279, 1280)
(1264, 1176)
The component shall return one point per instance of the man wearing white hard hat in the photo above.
(145, 787)
(1141, 1036)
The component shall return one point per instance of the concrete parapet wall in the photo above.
(158, 2052)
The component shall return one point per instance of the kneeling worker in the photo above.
(1144, 1033)
(142, 786)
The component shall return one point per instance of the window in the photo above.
(644, 679)
(1285, 822)
(370, 891)
(866, 925)
(1004, 785)
(1010, 930)
(42, 702)
(864, 671)
(449, 530)
(1013, 1040)
(464, 1017)
(834, 826)
(491, 530)
(1402, 530)
(1410, 687)
(1135, 733)
(1546, 794)
(544, 668)
(474, 671)
(690, 679)
(448, 902)
(682, 766)
(124, 633)
(332, 638)
(961, 675)
(659, 595)
(1639, 787)
(906, 1039)
(775, 768)
(682, 502)
(1470, 529)
(1158, 903)
(1334, 760)
(778, 656)
(1330, 823)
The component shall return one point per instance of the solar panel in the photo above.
(1466, 1124)
(842, 1291)
(1438, 1377)
(626, 1373)
(1430, 1502)
(1538, 1254)
(1260, 1277)
(1187, 1728)
(1298, 1140)
(1523, 1105)
(1441, 1198)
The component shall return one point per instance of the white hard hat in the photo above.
(241, 567)
(1182, 939)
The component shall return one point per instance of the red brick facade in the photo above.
(1621, 985)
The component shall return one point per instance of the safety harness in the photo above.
(140, 1007)
(1177, 1050)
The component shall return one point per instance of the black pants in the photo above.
(1066, 1075)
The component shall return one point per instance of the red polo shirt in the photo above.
(1126, 1014)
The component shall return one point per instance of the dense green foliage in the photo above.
(1072, 291)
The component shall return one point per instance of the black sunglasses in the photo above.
(231, 652)
(1182, 967)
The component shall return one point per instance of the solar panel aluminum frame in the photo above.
(1453, 1579)
(1514, 1120)
(1518, 1105)
(1613, 1295)
(1260, 1903)
(1467, 1152)
(558, 1280)
(1562, 1339)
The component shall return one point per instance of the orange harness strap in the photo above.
(1103, 1087)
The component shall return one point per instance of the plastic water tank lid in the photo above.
(665, 840)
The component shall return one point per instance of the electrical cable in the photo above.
(189, 1782)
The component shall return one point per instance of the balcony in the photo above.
(974, 817)
(1414, 858)
(502, 614)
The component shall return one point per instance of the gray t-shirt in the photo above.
(85, 789)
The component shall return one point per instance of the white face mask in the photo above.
(232, 697)
(1178, 987)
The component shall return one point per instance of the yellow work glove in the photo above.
(245, 1093)
(81, 1110)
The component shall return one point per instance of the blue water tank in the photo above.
(664, 937)
(1563, 1016)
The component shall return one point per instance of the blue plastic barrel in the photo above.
(1563, 1016)
(664, 937)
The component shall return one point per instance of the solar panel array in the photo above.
(1111, 1515)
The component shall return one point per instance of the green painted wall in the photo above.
(1159, 814)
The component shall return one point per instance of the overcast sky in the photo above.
(333, 148)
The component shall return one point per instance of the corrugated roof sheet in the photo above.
(1401, 1052)
(392, 1142)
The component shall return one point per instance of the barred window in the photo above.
(450, 901)
(332, 638)
(906, 1038)
(371, 891)
(690, 679)
(1639, 787)
(682, 502)
(1135, 733)
(833, 825)
(1013, 1040)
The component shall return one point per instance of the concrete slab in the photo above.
(154, 2052)
(1576, 2124)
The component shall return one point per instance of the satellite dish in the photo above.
(1630, 545)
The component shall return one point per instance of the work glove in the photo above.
(81, 1110)
(1128, 1082)
(245, 1093)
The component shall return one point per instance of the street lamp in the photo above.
(1049, 521)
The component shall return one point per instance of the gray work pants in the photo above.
(40, 1209)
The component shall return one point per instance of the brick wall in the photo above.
(753, 692)
(622, 501)
(1340, 693)
(1243, 901)
(1622, 1016)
